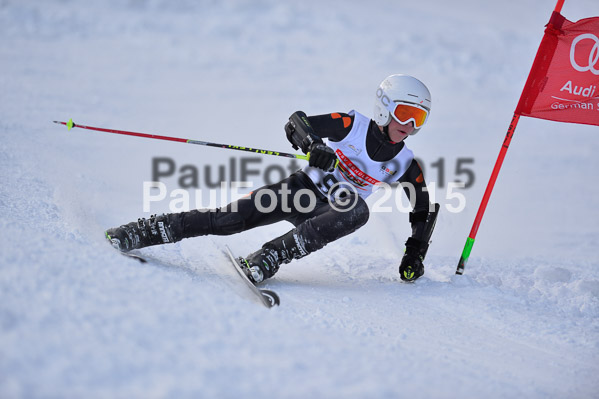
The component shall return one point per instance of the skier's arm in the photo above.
(302, 130)
(422, 221)
(414, 178)
(335, 126)
(302, 136)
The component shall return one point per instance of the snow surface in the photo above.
(79, 320)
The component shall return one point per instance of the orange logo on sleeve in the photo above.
(346, 119)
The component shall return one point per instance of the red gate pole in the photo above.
(506, 143)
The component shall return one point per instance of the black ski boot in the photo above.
(260, 265)
(143, 233)
(265, 262)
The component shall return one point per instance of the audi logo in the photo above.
(593, 54)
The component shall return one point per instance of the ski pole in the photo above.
(70, 124)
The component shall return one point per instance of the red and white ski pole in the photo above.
(70, 124)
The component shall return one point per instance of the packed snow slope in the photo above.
(79, 320)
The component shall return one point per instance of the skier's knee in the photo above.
(360, 214)
(225, 223)
(354, 214)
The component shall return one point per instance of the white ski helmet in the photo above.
(401, 89)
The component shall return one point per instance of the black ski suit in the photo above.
(322, 223)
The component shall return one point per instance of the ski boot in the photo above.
(260, 265)
(143, 233)
(265, 262)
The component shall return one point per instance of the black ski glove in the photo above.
(322, 157)
(411, 266)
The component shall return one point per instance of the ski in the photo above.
(134, 256)
(267, 297)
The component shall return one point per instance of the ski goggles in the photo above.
(406, 112)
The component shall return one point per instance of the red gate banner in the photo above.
(563, 84)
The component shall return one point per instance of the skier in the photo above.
(324, 200)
